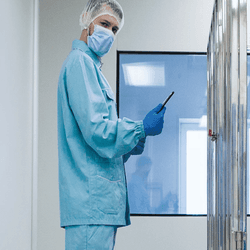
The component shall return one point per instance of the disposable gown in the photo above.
(91, 144)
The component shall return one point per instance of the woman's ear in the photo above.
(84, 36)
(91, 28)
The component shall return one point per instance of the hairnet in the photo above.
(96, 8)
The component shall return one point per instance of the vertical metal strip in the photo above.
(220, 128)
(234, 83)
(243, 117)
(227, 126)
(209, 228)
(215, 102)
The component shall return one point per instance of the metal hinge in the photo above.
(213, 135)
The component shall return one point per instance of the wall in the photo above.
(168, 25)
(163, 233)
(16, 109)
(58, 28)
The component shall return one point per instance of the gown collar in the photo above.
(82, 46)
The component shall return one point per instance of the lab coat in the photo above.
(91, 144)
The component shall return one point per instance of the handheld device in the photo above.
(165, 102)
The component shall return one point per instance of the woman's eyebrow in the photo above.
(110, 24)
(107, 22)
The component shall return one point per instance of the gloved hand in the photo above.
(153, 122)
(137, 150)
(126, 157)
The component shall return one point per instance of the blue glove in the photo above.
(153, 122)
(137, 150)
(126, 157)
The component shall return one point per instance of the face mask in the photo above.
(101, 40)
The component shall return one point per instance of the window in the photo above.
(169, 178)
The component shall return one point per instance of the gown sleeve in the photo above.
(110, 138)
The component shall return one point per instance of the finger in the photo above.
(140, 146)
(162, 113)
(158, 108)
(143, 139)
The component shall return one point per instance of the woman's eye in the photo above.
(114, 31)
(104, 25)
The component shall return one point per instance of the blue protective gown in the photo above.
(91, 144)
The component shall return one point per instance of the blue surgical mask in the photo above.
(101, 41)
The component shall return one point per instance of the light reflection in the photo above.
(203, 121)
(144, 74)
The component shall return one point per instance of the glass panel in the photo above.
(159, 180)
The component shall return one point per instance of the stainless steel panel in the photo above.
(227, 126)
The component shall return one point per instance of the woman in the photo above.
(93, 143)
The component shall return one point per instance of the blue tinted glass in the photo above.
(170, 176)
